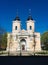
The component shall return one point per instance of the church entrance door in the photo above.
(22, 44)
(23, 47)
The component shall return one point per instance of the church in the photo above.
(21, 40)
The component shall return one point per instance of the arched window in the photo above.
(15, 27)
(30, 27)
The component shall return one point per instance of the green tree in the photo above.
(4, 41)
(44, 40)
(0, 40)
(2, 34)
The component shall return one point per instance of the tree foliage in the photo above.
(2, 34)
(4, 40)
(44, 40)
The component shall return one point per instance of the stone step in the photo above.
(17, 53)
(23, 53)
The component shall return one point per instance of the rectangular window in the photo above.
(16, 28)
(30, 27)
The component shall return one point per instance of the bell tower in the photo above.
(30, 23)
(16, 26)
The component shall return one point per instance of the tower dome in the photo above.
(30, 18)
(17, 18)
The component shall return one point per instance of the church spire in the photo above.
(17, 17)
(29, 12)
(17, 12)
(30, 17)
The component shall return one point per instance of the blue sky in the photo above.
(39, 12)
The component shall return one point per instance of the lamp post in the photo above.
(34, 42)
(9, 44)
(9, 48)
(20, 49)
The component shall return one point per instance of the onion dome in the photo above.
(17, 18)
(30, 18)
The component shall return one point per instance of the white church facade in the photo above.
(23, 40)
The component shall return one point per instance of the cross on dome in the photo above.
(30, 17)
(17, 17)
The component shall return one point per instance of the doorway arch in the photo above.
(23, 44)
